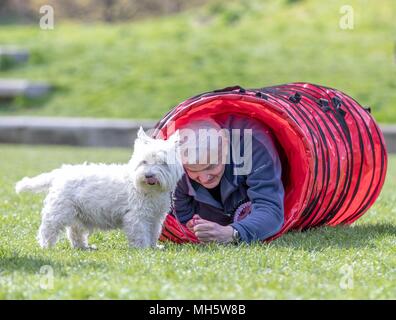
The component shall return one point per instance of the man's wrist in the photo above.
(236, 236)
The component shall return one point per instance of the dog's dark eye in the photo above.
(143, 162)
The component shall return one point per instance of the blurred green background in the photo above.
(137, 59)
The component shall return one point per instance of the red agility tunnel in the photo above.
(333, 153)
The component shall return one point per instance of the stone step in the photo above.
(71, 131)
(389, 132)
(11, 88)
(95, 132)
(13, 54)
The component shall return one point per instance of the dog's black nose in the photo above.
(149, 175)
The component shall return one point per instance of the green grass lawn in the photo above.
(314, 264)
(141, 69)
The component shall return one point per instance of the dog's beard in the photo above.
(156, 165)
(160, 178)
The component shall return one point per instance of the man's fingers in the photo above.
(190, 224)
(203, 227)
(201, 221)
(204, 230)
(204, 236)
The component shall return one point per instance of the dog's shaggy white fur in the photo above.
(134, 197)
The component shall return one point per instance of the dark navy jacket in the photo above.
(261, 190)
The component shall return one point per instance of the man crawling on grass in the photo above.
(225, 197)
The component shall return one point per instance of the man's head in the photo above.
(205, 147)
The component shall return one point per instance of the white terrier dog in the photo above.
(134, 197)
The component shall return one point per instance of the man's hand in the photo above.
(208, 231)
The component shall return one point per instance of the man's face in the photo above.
(207, 175)
(207, 171)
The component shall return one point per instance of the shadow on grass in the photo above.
(357, 236)
(33, 265)
(26, 264)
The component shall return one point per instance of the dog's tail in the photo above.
(40, 183)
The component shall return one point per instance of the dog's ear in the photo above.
(141, 134)
(141, 139)
(175, 138)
